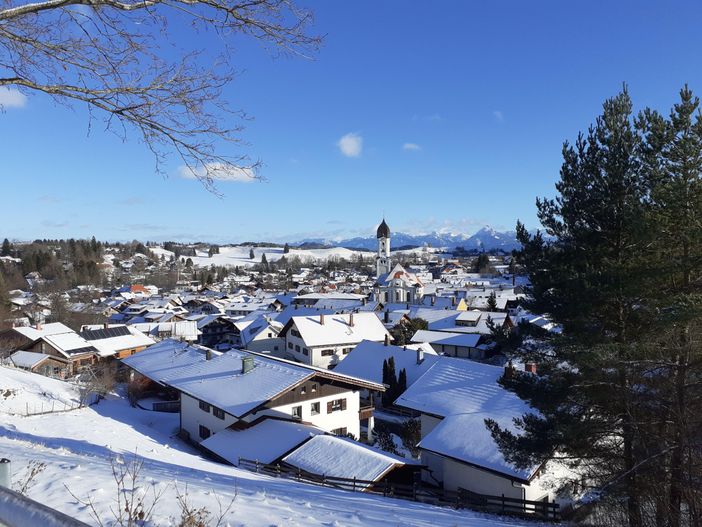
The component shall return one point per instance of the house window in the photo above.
(204, 406)
(347, 351)
(297, 412)
(303, 390)
(339, 431)
(295, 333)
(337, 405)
(270, 335)
(204, 432)
(305, 351)
(218, 412)
(290, 345)
(314, 387)
(297, 348)
(315, 409)
(327, 353)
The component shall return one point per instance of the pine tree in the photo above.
(264, 260)
(251, 254)
(672, 156)
(492, 302)
(401, 382)
(286, 249)
(589, 279)
(6, 248)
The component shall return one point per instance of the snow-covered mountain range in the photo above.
(485, 239)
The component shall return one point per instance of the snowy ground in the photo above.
(239, 256)
(79, 447)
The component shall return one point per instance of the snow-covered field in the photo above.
(240, 256)
(79, 448)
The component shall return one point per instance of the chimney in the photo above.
(247, 364)
(351, 319)
(509, 370)
(321, 319)
(208, 355)
(38, 326)
(530, 367)
(420, 355)
(387, 339)
(453, 300)
(105, 326)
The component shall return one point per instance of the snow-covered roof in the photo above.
(69, 343)
(366, 361)
(343, 458)
(265, 442)
(400, 273)
(53, 328)
(446, 338)
(465, 393)
(115, 341)
(337, 329)
(27, 359)
(466, 438)
(166, 359)
(220, 381)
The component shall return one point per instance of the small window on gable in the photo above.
(303, 390)
(314, 388)
(204, 406)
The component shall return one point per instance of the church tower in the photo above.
(382, 260)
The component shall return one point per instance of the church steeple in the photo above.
(383, 230)
(382, 260)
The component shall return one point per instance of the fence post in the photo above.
(354, 483)
(257, 466)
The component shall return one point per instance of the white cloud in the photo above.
(351, 145)
(411, 147)
(11, 98)
(498, 115)
(218, 172)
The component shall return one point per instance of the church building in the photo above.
(393, 284)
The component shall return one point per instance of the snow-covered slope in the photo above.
(78, 448)
(21, 391)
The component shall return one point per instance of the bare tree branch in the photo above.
(117, 57)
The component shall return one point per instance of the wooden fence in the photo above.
(536, 510)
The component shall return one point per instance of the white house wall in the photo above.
(192, 417)
(341, 419)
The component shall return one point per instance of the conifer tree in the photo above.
(589, 279)
(492, 302)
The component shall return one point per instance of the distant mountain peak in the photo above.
(486, 238)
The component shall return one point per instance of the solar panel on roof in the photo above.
(105, 333)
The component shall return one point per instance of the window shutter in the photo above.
(329, 407)
(343, 405)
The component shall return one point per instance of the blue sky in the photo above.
(460, 107)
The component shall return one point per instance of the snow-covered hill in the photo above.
(79, 448)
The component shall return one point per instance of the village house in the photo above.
(324, 340)
(454, 397)
(238, 387)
